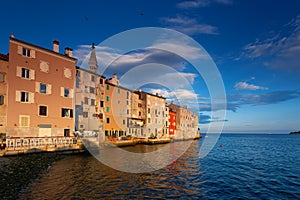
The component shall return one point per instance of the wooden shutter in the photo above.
(32, 74)
(49, 89)
(31, 97)
(20, 49)
(62, 91)
(18, 96)
(32, 53)
(37, 86)
(19, 71)
(71, 93)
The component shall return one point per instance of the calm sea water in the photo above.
(245, 167)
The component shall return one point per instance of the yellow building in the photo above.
(41, 84)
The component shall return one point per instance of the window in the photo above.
(1, 77)
(25, 73)
(66, 92)
(123, 121)
(66, 112)
(107, 87)
(107, 109)
(107, 98)
(107, 120)
(92, 90)
(85, 114)
(119, 101)
(24, 96)
(139, 105)
(101, 116)
(43, 88)
(101, 81)
(127, 112)
(26, 52)
(140, 113)
(86, 100)
(1, 99)
(42, 110)
(92, 102)
(148, 110)
(101, 104)
(119, 90)
(95, 115)
(66, 132)
(149, 120)
(92, 78)
(24, 121)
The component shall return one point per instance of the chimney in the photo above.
(115, 76)
(56, 46)
(68, 51)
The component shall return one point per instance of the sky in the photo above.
(254, 44)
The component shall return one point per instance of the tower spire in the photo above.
(93, 60)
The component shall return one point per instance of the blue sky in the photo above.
(255, 45)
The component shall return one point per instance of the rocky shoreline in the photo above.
(18, 172)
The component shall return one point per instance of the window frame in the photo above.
(1, 99)
(25, 98)
(41, 91)
(44, 106)
(69, 110)
(25, 73)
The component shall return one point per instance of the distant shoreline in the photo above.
(295, 132)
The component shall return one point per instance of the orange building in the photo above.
(41, 84)
(116, 108)
(3, 91)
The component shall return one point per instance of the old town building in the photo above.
(186, 122)
(3, 92)
(41, 86)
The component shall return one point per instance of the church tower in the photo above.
(93, 60)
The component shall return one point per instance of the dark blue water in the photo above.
(245, 167)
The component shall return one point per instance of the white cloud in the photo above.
(247, 86)
(167, 51)
(279, 51)
(189, 26)
(179, 94)
(181, 48)
(201, 3)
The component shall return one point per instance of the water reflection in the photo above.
(82, 176)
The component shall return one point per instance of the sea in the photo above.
(240, 166)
